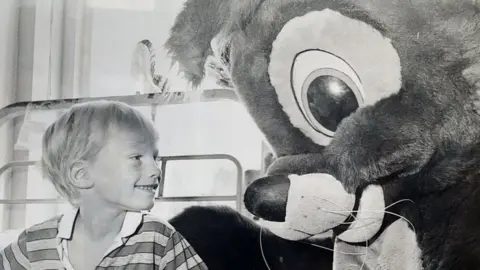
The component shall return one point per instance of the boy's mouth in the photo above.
(152, 187)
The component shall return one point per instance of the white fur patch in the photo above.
(395, 249)
(364, 55)
(369, 217)
(316, 204)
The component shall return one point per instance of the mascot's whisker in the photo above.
(365, 225)
(372, 211)
(261, 250)
(375, 211)
(329, 249)
(349, 213)
(386, 212)
(399, 201)
(355, 219)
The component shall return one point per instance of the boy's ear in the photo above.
(79, 175)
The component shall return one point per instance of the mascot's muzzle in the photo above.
(298, 207)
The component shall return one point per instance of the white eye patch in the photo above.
(325, 65)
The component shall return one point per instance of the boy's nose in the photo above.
(154, 171)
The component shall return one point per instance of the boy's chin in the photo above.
(139, 204)
(142, 207)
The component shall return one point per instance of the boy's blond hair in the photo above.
(79, 134)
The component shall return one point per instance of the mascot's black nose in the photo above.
(267, 197)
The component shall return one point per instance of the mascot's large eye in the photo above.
(328, 94)
(324, 66)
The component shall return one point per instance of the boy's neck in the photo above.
(99, 223)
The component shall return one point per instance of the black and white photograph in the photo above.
(239, 134)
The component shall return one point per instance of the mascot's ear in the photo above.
(190, 39)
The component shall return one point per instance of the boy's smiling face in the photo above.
(125, 173)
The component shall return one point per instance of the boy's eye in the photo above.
(137, 157)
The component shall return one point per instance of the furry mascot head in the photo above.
(369, 107)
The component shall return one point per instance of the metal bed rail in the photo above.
(239, 193)
(160, 198)
(18, 109)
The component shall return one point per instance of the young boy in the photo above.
(102, 157)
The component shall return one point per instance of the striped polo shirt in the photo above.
(144, 242)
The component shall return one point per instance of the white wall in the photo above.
(9, 13)
(33, 31)
(46, 83)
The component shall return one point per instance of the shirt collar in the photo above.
(65, 228)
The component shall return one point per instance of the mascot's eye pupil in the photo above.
(330, 100)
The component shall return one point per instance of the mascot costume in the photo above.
(369, 107)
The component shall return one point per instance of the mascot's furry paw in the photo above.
(226, 239)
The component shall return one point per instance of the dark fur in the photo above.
(425, 136)
(225, 239)
(444, 220)
(435, 39)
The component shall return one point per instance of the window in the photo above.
(87, 49)
(200, 177)
(198, 180)
(215, 127)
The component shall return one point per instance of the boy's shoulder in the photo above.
(49, 224)
(156, 224)
(43, 230)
